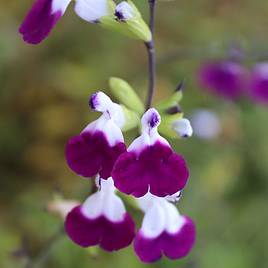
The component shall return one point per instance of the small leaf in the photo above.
(126, 94)
(132, 119)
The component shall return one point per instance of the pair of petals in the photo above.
(100, 231)
(44, 15)
(90, 153)
(156, 169)
(164, 231)
(174, 246)
(101, 220)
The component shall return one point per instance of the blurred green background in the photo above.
(44, 92)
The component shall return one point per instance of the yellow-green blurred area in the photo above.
(44, 92)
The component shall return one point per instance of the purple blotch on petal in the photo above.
(99, 231)
(89, 154)
(174, 246)
(156, 168)
(119, 15)
(154, 120)
(93, 101)
(39, 22)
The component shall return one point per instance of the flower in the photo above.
(258, 88)
(206, 124)
(183, 128)
(44, 15)
(224, 78)
(101, 220)
(97, 147)
(150, 164)
(163, 232)
(124, 11)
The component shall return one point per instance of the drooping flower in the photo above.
(44, 15)
(41, 19)
(95, 150)
(101, 220)
(150, 164)
(164, 231)
(223, 78)
(124, 11)
(258, 87)
(183, 128)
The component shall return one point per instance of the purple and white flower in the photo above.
(101, 220)
(163, 232)
(258, 87)
(150, 164)
(223, 78)
(183, 128)
(95, 150)
(44, 15)
(124, 11)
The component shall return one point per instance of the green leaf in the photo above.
(132, 119)
(169, 102)
(126, 94)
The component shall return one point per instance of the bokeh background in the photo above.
(44, 92)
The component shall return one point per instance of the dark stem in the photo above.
(151, 57)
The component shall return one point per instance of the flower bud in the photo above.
(127, 20)
(183, 128)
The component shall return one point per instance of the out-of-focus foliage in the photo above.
(43, 100)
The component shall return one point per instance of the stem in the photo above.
(151, 57)
(43, 255)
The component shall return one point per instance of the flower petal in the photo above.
(172, 245)
(224, 78)
(41, 19)
(259, 83)
(178, 245)
(92, 10)
(147, 249)
(83, 231)
(118, 235)
(89, 154)
(157, 169)
(109, 235)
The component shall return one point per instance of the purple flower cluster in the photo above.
(231, 80)
(148, 169)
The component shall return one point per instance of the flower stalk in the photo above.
(151, 56)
